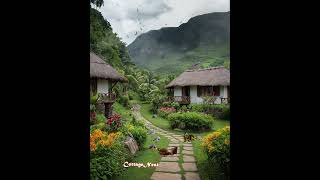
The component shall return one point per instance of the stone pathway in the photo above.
(169, 167)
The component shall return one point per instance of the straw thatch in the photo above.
(215, 76)
(101, 70)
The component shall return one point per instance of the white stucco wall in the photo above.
(194, 95)
(103, 86)
(177, 91)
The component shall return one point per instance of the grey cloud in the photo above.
(151, 9)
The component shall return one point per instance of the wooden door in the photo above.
(186, 91)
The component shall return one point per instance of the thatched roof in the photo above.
(214, 76)
(100, 69)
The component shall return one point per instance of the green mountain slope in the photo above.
(202, 41)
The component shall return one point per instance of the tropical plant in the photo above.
(107, 154)
(190, 121)
(217, 147)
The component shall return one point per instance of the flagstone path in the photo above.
(169, 167)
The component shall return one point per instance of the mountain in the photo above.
(202, 41)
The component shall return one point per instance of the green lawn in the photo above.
(144, 156)
(158, 121)
(164, 123)
(123, 111)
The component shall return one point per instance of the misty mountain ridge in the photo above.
(203, 40)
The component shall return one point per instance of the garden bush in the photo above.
(217, 147)
(139, 133)
(100, 126)
(165, 111)
(156, 102)
(124, 101)
(220, 111)
(107, 154)
(176, 105)
(100, 118)
(190, 121)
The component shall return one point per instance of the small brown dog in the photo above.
(165, 152)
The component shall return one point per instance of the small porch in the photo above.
(198, 94)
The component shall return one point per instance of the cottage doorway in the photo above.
(186, 91)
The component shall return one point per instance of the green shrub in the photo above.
(220, 111)
(156, 103)
(190, 121)
(106, 160)
(165, 111)
(176, 105)
(138, 132)
(124, 101)
(101, 118)
(100, 126)
(217, 147)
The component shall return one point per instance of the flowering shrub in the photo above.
(139, 133)
(190, 121)
(217, 146)
(107, 154)
(114, 122)
(165, 111)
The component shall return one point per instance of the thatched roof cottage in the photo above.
(102, 77)
(192, 85)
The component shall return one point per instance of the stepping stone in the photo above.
(189, 159)
(174, 141)
(177, 136)
(168, 167)
(188, 148)
(187, 145)
(191, 176)
(166, 176)
(170, 158)
(174, 145)
(189, 166)
(187, 152)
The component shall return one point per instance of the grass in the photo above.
(123, 111)
(157, 121)
(144, 156)
(164, 123)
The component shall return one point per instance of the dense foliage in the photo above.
(220, 111)
(190, 121)
(217, 147)
(107, 154)
(139, 133)
(165, 111)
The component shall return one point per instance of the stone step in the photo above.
(188, 148)
(191, 176)
(169, 158)
(189, 167)
(166, 176)
(187, 152)
(188, 158)
(187, 145)
(168, 167)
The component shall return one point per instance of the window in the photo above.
(93, 85)
(208, 91)
(216, 90)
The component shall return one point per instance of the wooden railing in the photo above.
(107, 97)
(179, 99)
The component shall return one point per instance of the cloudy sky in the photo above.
(130, 18)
